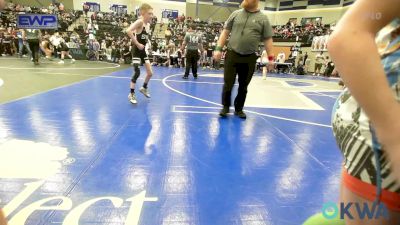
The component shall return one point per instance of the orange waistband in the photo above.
(368, 191)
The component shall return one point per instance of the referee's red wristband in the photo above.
(270, 58)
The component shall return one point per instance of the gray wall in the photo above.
(222, 13)
(205, 11)
(329, 16)
(270, 4)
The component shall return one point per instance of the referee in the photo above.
(193, 41)
(33, 37)
(247, 28)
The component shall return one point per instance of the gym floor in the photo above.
(74, 150)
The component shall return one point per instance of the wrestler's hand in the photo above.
(140, 46)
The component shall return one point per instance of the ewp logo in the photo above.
(37, 21)
(362, 211)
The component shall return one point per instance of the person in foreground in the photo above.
(365, 48)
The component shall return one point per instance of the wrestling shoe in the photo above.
(132, 98)
(145, 91)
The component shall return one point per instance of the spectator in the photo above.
(93, 17)
(168, 35)
(115, 53)
(203, 58)
(27, 9)
(46, 46)
(51, 8)
(127, 53)
(307, 65)
(96, 48)
(86, 9)
(61, 8)
(103, 45)
(319, 61)
(95, 26)
(329, 67)
(108, 53)
(281, 57)
(305, 58)
(170, 51)
(75, 37)
(6, 43)
(91, 55)
(300, 60)
(263, 62)
(58, 40)
(209, 58)
(22, 43)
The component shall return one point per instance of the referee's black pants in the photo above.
(34, 46)
(192, 56)
(244, 66)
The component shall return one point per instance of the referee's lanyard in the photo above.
(248, 15)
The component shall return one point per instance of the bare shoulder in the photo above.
(140, 22)
(137, 25)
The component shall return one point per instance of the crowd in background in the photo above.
(102, 34)
(305, 32)
(211, 31)
(167, 49)
(105, 36)
(11, 37)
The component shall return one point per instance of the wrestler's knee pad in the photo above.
(136, 73)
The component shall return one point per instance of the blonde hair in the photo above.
(144, 8)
